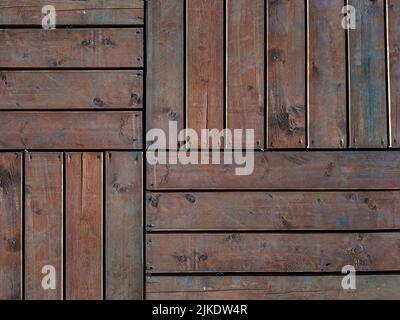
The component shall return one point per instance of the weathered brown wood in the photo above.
(205, 63)
(369, 287)
(83, 216)
(73, 12)
(43, 223)
(124, 231)
(286, 73)
(10, 226)
(70, 130)
(327, 82)
(273, 211)
(240, 252)
(245, 67)
(21, 90)
(286, 170)
(368, 107)
(72, 48)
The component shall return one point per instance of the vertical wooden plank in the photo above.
(83, 212)
(124, 235)
(286, 73)
(368, 110)
(245, 74)
(327, 109)
(205, 46)
(10, 226)
(43, 223)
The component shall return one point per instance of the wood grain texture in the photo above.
(70, 130)
(124, 226)
(43, 223)
(369, 287)
(273, 211)
(205, 63)
(240, 252)
(73, 12)
(24, 90)
(245, 67)
(368, 107)
(286, 170)
(286, 73)
(165, 64)
(72, 48)
(327, 109)
(10, 226)
(83, 217)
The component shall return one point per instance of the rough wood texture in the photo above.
(124, 223)
(368, 107)
(327, 110)
(21, 90)
(240, 252)
(72, 48)
(271, 288)
(83, 216)
(70, 130)
(286, 73)
(10, 226)
(73, 12)
(273, 211)
(43, 223)
(245, 74)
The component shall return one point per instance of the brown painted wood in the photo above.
(72, 12)
(83, 216)
(369, 287)
(327, 109)
(245, 67)
(72, 48)
(273, 211)
(240, 252)
(10, 226)
(43, 223)
(22, 90)
(368, 107)
(70, 130)
(286, 73)
(124, 223)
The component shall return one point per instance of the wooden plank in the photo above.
(84, 224)
(273, 211)
(205, 63)
(124, 221)
(368, 107)
(327, 82)
(254, 252)
(43, 223)
(285, 170)
(245, 67)
(10, 226)
(72, 12)
(70, 130)
(286, 73)
(298, 287)
(23, 90)
(165, 64)
(71, 48)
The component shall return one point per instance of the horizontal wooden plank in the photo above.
(254, 252)
(285, 170)
(73, 12)
(273, 211)
(23, 90)
(70, 130)
(72, 48)
(271, 288)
